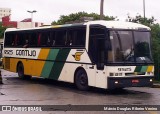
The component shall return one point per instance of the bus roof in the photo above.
(119, 24)
(107, 24)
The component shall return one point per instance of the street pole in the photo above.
(34, 11)
(144, 10)
(101, 10)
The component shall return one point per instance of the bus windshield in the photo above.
(130, 46)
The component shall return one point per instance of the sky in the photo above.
(51, 10)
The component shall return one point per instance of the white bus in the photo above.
(103, 54)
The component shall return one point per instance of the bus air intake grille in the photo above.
(134, 73)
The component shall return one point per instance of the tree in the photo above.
(142, 20)
(2, 29)
(77, 17)
(155, 31)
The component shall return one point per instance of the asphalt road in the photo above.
(16, 91)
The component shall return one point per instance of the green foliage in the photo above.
(77, 17)
(142, 20)
(2, 29)
(156, 48)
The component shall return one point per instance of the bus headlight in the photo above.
(150, 73)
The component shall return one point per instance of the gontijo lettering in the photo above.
(26, 52)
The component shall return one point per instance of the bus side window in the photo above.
(26, 45)
(39, 39)
(80, 39)
(15, 40)
(51, 38)
(9, 40)
(70, 38)
(44, 36)
(76, 37)
(60, 38)
(20, 40)
(33, 39)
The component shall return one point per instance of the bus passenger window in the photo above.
(26, 44)
(76, 37)
(44, 38)
(70, 37)
(48, 41)
(16, 40)
(51, 38)
(9, 39)
(60, 38)
(33, 39)
(20, 39)
(39, 39)
(80, 39)
(13, 43)
(53, 44)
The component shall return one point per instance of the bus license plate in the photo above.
(135, 81)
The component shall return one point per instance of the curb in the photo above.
(155, 85)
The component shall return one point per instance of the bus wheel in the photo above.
(81, 80)
(20, 71)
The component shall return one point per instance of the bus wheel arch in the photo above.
(81, 79)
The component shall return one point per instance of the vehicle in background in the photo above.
(1, 53)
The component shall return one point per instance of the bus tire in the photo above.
(81, 80)
(20, 70)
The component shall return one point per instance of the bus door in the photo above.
(100, 63)
(98, 54)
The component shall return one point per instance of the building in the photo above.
(6, 22)
(4, 12)
(26, 23)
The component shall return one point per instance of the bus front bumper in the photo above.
(121, 82)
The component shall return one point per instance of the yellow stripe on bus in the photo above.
(43, 54)
(38, 65)
(150, 69)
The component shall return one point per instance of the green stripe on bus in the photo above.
(58, 65)
(138, 69)
(144, 68)
(49, 64)
(53, 54)
(47, 69)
